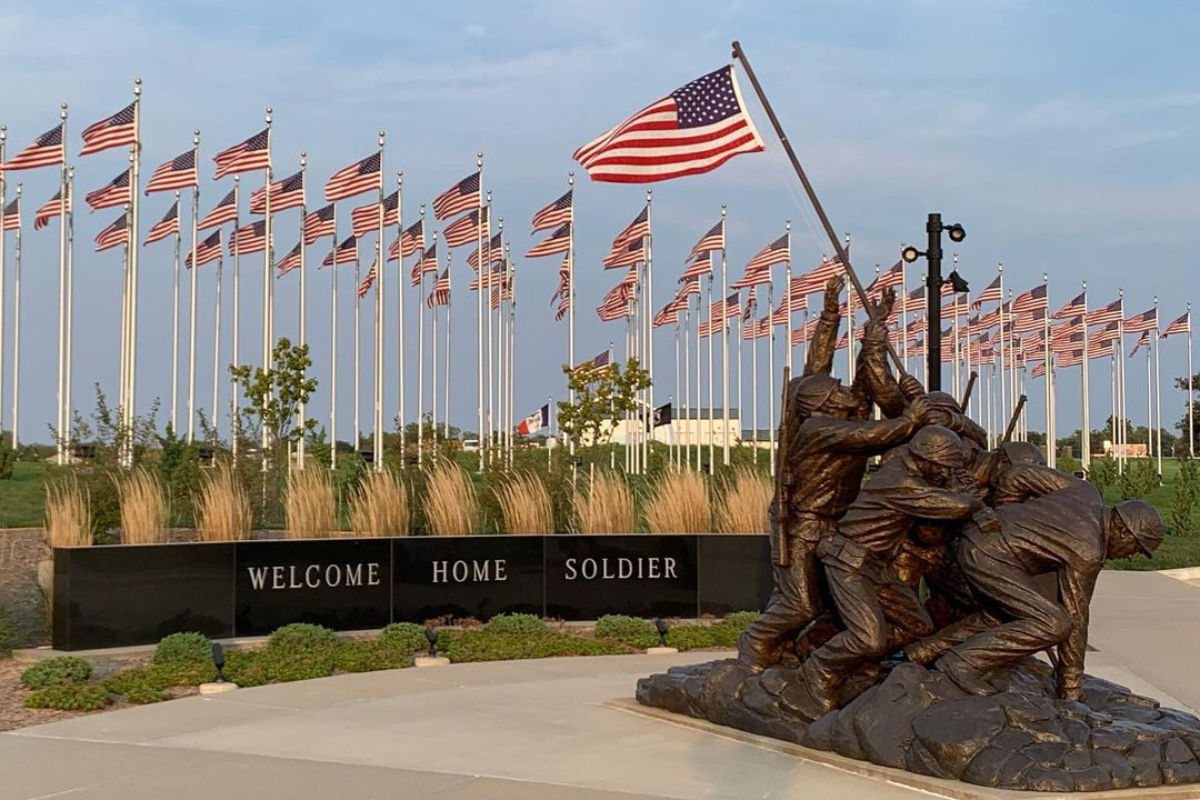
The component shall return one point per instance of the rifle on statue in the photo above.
(1012, 423)
(780, 545)
(966, 398)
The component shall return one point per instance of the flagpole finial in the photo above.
(19, 185)
(137, 87)
(269, 115)
(237, 179)
(176, 194)
(649, 195)
(382, 136)
(196, 137)
(723, 208)
(479, 159)
(62, 111)
(787, 225)
(1085, 286)
(3, 132)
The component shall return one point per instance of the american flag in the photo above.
(1143, 341)
(804, 333)
(116, 192)
(466, 229)
(893, 277)
(564, 303)
(166, 226)
(49, 210)
(1033, 321)
(815, 280)
(713, 240)
(493, 250)
(616, 304)
(780, 315)
(250, 238)
(1100, 349)
(758, 277)
(699, 267)
(560, 212)
(207, 251)
(365, 219)
(427, 263)
(115, 234)
(1032, 300)
(12, 215)
(696, 128)
(1077, 306)
(252, 154)
(460, 197)
(285, 194)
(751, 304)
(116, 131)
(1146, 321)
(319, 223)
(631, 277)
(668, 314)
(361, 176)
(1064, 330)
(632, 253)
(1061, 344)
(346, 253)
(178, 173)
(989, 319)
(956, 307)
(777, 252)
(1113, 312)
(412, 240)
(223, 212)
(690, 288)
(1071, 358)
(557, 242)
(798, 295)
(758, 329)
(1181, 325)
(440, 296)
(638, 229)
(725, 310)
(367, 282)
(491, 279)
(600, 361)
(289, 262)
(46, 150)
(710, 326)
(992, 294)
(1039, 371)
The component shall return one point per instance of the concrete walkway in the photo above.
(527, 730)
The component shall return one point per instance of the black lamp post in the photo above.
(933, 284)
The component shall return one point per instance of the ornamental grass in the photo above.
(68, 513)
(223, 507)
(525, 505)
(679, 503)
(309, 509)
(451, 506)
(744, 503)
(143, 508)
(606, 507)
(380, 505)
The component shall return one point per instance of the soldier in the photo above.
(880, 611)
(1067, 531)
(828, 432)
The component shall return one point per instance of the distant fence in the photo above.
(136, 594)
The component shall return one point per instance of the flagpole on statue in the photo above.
(16, 388)
(191, 403)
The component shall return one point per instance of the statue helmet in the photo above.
(1023, 453)
(1144, 523)
(939, 445)
(943, 401)
(811, 392)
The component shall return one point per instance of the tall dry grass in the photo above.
(744, 503)
(451, 505)
(68, 514)
(606, 507)
(143, 508)
(380, 506)
(223, 507)
(525, 505)
(680, 503)
(309, 508)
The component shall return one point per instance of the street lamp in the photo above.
(933, 293)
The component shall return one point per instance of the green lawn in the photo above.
(21, 497)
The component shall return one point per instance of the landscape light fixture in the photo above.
(218, 657)
(431, 637)
(933, 290)
(661, 627)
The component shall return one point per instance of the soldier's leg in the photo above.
(907, 618)
(795, 602)
(855, 595)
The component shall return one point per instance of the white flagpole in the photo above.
(301, 410)
(741, 345)
(754, 384)
(400, 281)
(490, 334)
(333, 342)
(684, 444)
(709, 397)
(903, 311)
(699, 397)
(1003, 393)
(1051, 449)
(16, 388)
(134, 279)
(380, 320)
(1190, 382)
(3, 276)
(771, 375)
(71, 309)
(446, 356)
(787, 296)
(175, 324)
(571, 294)
(217, 346)
(483, 435)
(849, 329)
(235, 433)
(1085, 432)
(191, 403)
(648, 332)
(433, 366)
(502, 417)
(421, 344)
(674, 447)
(1157, 393)
(60, 427)
(512, 349)
(357, 341)
(1124, 427)
(1149, 404)
(268, 288)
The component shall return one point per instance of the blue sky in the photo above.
(1062, 135)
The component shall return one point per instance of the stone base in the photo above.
(431, 661)
(661, 651)
(1022, 737)
(217, 688)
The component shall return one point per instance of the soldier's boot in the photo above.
(755, 655)
(963, 675)
(815, 694)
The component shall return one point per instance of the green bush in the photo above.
(56, 672)
(639, 633)
(515, 624)
(299, 652)
(470, 646)
(139, 686)
(369, 656)
(8, 458)
(184, 648)
(1138, 479)
(408, 637)
(740, 619)
(69, 697)
(246, 668)
(1102, 473)
(302, 636)
(7, 636)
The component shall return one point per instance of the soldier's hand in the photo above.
(883, 308)
(918, 410)
(875, 330)
(987, 520)
(833, 290)
(911, 387)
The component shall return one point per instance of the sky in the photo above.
(1061, 135)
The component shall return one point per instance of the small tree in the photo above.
(603, 395)
(273, 396)
(1187, 493)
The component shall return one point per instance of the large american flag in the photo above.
(1146, 321)
(1077, 306)
(346, 253)
(289, 262)
(116, 131)
(493, 251)
(440, 296)
(12, 215)
(466, 229)
(167, 226)
(50, 209)
(412, 240)
(1032, 300)
(252, 154)
(992, 294)
(250, 238)
(713, 240)
(696, 128)
(285, 194)
(361, 176)
(115, 234)
(560, 212)
(698, 268)
(629, 254)
(365, 219)
(428, 262)
(178, 173)
(207, 251)
(319, 223)
(223, 212)
(1181, 325)
(460, 197)
(46, 150)
(116, 192)
(1113, 312)
(557, 242)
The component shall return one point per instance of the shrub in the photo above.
(299, 651)
(68, 514)
(310, 509)
(223, 507)
(1183, 503)
(8, 458)
(1102, 473)
(369, 656)
(302, 636)
(184, 648)
(56, 671)
(639, 633)
(139, 686)
(7, 636)
(607, 507)
(451, 506)
(1138, 479)
(246, 668)
(525, 505)
(143, 508)
(69, 697)
(407, 637)
(680, 503)
(470, 646)
(744, 503)
(379, 506)
(740, 620)
(516, 624)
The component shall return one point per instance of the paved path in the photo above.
(527, 730)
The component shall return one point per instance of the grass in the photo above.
(744, 502)
(309, 506)
(451, 504)
(606, 507)
(22, 499)
(525, 505)
(222, 509)
(380, 506)
(680, 503)
(143, 508)
(68, 517)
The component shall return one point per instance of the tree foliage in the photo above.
(603, 395)
(273, 395)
